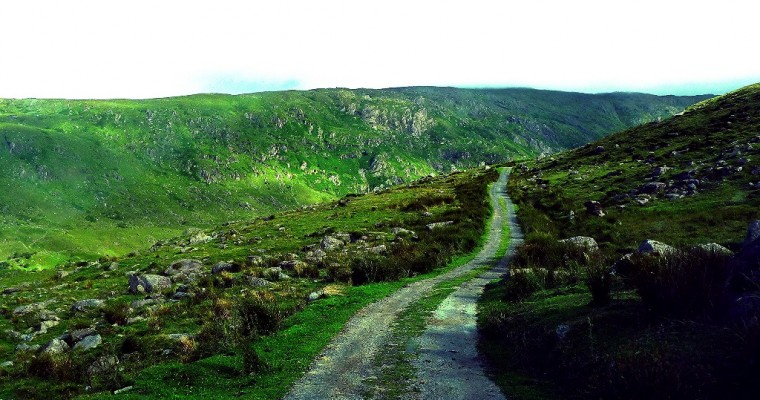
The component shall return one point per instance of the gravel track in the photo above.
(340, 371)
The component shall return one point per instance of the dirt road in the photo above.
(340, 371)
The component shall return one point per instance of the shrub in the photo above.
(683, 284)
(520, 285)
(116, 313)
(598, 280)
(52, 366)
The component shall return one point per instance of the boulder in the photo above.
(149, 283)
(330, 243)
(55, 346)
(102, 365)
(222, 266)
(654, 247)
(381, 249)
(402, 232)
(753, 232)
(87, 305)
(88, 343)
(197, 236)
(316, 255)
(314, 296)
(594, 208)
(79, 334)
(657, 171)
(30, 308)
(438, 225)
(258, 282)
(599, 149)
(184, 267)
(714, 248)
(255, 261)
(45, 325)
(653, 187)
(275, 274)
(584, 242)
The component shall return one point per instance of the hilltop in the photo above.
(94, 178)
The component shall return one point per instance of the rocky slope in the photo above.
(134, 171)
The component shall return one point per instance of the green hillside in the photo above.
(93, 178)
(628, 319)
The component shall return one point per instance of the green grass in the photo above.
(623, 349)
(93, 178)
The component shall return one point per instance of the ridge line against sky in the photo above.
(148, 49)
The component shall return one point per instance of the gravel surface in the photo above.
(449, 366)
(339, 372)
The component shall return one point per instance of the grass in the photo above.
(679, 341)
(106, 177)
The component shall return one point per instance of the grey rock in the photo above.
(652, 187)
(45, 325)
(30, 308)
(654, 247)
(330, 243)
(584, 242)
(88, 343)
(55, 346)
(381, 249)
(123, 390)
(87, 305)
(26, 347)
(149, 283)
(185, 267)
(102, 366)
(275, 274)
(594, 208)
(314, 296)
(714, 248)
(657, 171)
(753, 232)
(316, 255)
(402, 232)
(437, 225)
(197, 236)
(137, 304)
(255, 261)
(112, 266)
(79, 334)
(258, 282)
(222, 266)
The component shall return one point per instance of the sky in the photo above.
(160, 48)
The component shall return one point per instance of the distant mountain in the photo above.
(102, 177)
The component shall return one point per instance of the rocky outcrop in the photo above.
(656, 248)
(87, 305)
(149, 283)
(582, 242)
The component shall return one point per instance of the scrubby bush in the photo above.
(599, 280)
(520, 285)
(116, 312)
(689, 283)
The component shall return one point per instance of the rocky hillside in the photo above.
(103, 177)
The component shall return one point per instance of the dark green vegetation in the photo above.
(241, 309)
(92, 178)
(625, 321)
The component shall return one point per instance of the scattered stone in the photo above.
(179, 336)
(316, 255)
(714, 248)
(654, 247)
(258, 282)
(584, 242)
(123, 390)
(753, 232)
(184, 269)
(55, 346)
(112, 266)
(60, 274)
(137, 304)
(222, 266)
(381, 249)
(25, 347)
(79, 334)
(657, 171)
(102, 366)
(30, 308)
(402, 232)
(653, 187)
(599, 149)
(45, 325)
(330, 243)
(197, 236)
(437, 225)
(673, 196)
(88, 343)
(314, 296)
(255, 261)
(293, 265)
(87, 305)
(149, 283)
(275, 274)
(594, 208)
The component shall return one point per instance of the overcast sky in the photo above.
(158, 48)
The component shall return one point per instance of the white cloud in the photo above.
(140, 48)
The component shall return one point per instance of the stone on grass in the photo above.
(87, 305)
(654, 247)
(55, 346)
(438, 225)
(584, 242)
(149, 283)
(714, 248)
(88, 343)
